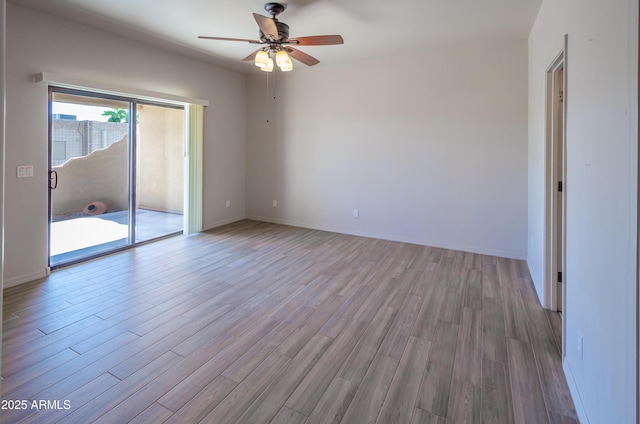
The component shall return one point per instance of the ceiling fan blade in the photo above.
(267, 26)
(230, 39)
(252, 56)
(316, 40)
(302, 56)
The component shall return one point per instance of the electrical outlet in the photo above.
(580, 346)
(228, 203)
(356, 213)
(275, 203)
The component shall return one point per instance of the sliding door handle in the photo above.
(53, 179)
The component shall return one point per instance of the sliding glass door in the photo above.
(159, 171)
(116, 173)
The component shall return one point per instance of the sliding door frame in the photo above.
(194, 131)
(133, 103)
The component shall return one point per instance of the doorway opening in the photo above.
(116, 173)
(556, 186)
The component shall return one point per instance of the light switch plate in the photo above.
(25, 171)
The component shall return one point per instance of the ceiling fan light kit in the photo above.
(269, 67)
(275, 35)
(264, 62)
(262, 59)
(284, 61)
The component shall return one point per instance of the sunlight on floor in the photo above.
(79, 233)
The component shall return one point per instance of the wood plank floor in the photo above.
(263, 323)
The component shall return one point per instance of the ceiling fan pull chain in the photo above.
(274, 86)
(266, 109)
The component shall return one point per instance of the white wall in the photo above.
(430, 147)
(38, 42)
(3, 22)
(601, 194)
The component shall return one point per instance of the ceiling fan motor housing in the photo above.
(283, 32)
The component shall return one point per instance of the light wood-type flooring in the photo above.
(262, 323)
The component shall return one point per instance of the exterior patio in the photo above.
(81, 237)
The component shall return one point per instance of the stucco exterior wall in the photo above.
(100, 176)
(160, 158)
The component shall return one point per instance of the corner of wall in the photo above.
(220, 223)
(537, 278)
(575, 393)
(26, 278)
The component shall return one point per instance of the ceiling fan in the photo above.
(274, 35)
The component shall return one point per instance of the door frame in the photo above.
(555, 171)
(133, 103)
(194, 137)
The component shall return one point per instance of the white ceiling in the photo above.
(369, 27)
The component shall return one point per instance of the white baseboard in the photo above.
(14, 281)
(222, 222)
(26, 278)
(575, 394)
(462, 248)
